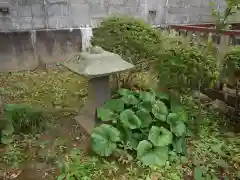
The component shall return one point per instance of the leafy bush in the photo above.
(150, 124)
(231, 66)
(185, 65)
(232, 58)
(131, 38)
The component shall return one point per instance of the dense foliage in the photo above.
(150, 124)
(231, 66)
(131, 38)
(180, 65)
(232, 58)
(185, 65)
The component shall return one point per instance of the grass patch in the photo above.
(57, 88)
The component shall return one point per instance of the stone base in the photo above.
(98, 93)
(86, 122)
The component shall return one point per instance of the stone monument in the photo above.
(97, 65)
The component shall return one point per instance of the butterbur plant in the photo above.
(150, 124)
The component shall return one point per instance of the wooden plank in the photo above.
(229, 99)
(204, 29)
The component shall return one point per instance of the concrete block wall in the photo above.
(57, 14)
(191, 11)
(181, 11)
(23, 50)
(48, 30)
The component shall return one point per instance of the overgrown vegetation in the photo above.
(232, 58)
(231, 67)
(38, 147)
(179, 65)
(142, 129)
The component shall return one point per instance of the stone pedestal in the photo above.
(98, 92)
(96, 65)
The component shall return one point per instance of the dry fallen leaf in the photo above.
(14, 175)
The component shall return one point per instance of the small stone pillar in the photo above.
(97, 65)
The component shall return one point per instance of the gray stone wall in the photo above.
(182, 11)
(58, 14)
(23, 50)
(191, 11)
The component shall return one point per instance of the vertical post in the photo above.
(189, 35)
(98, 92)
(198, 37)
(86, 33)
(222, 48)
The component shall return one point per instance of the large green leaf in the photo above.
(145, 118)
(147, 96)
(130, 119)
(115, 105)
(146, 106)
(183, 116)
(179, 144)
(125, 133)
(135, 139)
(198, 172)
(130, 99)
(179, 109)
(125, 92)
(172, 117)
(104, 139)
(162, 96)
(152, 156)
(127, 136)
(105, 114)
(160, 136)
(160, 110)
(177, 127)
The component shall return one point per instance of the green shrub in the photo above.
(184, 65)
(232, 58)
(231, 66)
(131, 38)
(150, 124)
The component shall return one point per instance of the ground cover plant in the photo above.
(150, 124)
